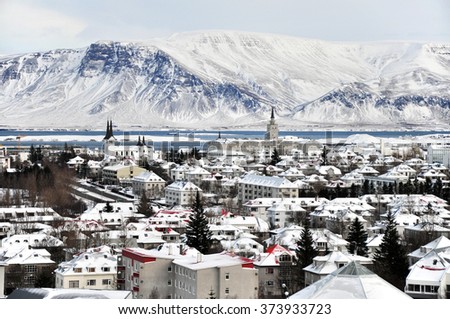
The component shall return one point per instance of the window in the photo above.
(269, 270)
(92, 282)
(77, 269)
(74, 284)
(30, 268)
(169, 282)
(413, 287)
(269, 283)
(29, 280)
(227, 276)
(169, 269)
(227, 290)
(106, 282)
(91, 269)
(106, 269)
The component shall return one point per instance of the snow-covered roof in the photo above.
(324, 265)
(269, 181)
(428, 270)
(211, 261)
(352, 281)
(68, 293)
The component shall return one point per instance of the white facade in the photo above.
(149, 182)
(439, 154)
(255, 186)
(181, 193)
(93, 269)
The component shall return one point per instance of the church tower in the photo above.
(109, 138)
(272, 128)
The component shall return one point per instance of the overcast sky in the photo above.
(37, 25)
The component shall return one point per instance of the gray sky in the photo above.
(37, 25)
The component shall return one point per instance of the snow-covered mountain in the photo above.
(228, 79)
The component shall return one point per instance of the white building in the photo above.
(428, 278)
(94, 269)
(149, 182)
(439, 154)
(322, 266)
(182, 193)
(255, 186)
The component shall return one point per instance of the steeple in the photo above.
(272, 127)
(109, 130)
(139, 141)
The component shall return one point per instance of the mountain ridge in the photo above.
(228, 79)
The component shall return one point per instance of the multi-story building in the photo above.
(439, 154)
(172, 271)
(181, 193)
(273, 271)
(255, 186)
(94, 269)
(121, 174)
(25, 266)
(149, 182)
(221, 275)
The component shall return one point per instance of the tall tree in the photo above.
(306, 252)
(143, 206)
(357, 239)
(275, 157)
(197, 230)
(390, 259)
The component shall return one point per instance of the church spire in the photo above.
(109, 130)
(272, 117)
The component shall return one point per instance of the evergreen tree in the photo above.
(357, 239)
(390, 259)
(275, 157)
(211, 294)
(144, 207)
(108, 208)
(305, 253)
(197, 230)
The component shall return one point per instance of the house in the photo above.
(274, 270)
(75, 162)
(440, 244)
(428, 278)
(24, 266)
(322, 266)
(182, 193)
(353, 281)
(112, 215)
(94, 269)
(151, 183)
(284, 214)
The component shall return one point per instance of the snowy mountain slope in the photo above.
(210, 79)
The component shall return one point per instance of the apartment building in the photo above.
(255, 186)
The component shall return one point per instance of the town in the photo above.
(275, 217)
